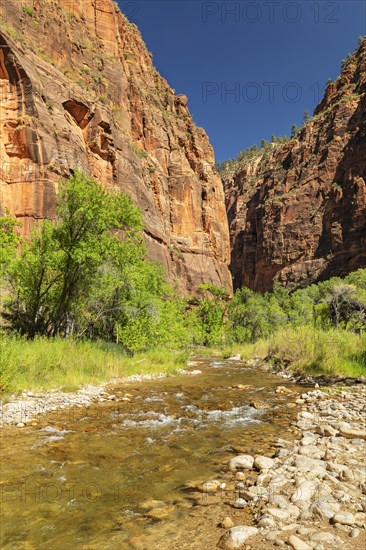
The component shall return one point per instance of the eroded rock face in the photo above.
(78, 90)
(297, 213)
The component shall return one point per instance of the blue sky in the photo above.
(249, 68)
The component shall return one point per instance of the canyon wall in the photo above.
(79, 91)
(297, 210)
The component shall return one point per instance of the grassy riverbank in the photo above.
(305, 350)
(67, 364)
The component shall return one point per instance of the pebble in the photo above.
(272, 536)
(283, 389)
(354, 533)
(298, 544)
(240, 503)
(227, 523)
(279, 514)
(322, 537)
(266, 521)
(210, 486)
(306, 531)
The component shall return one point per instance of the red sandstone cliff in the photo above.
(297, 211)
(78, 90)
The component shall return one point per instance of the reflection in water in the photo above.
(88, 480)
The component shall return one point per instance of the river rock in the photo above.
(283, 389)
(236, 537)
(323, 537)
(304, 506)
(259, 404)
(354, 533)
(322, 510)
(352, 433)
(240, 503)
(339, 469)
(298, 544)
(263, 463)
(305, 415)
(344, 518)
(266, 521)
(227, 523)
(281, 515)
(159, 514)
(271, 536)
(305, 491)
(307, 464)
(241, 462)
(279, 501)
(210, 486)
(312, 451)
(306, 531)
(326, 430)
(308, 440)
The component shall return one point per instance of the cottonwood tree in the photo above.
(56, 269)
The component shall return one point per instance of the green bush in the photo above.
(28, 11)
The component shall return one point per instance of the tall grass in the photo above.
(67, 364)
(315, 351)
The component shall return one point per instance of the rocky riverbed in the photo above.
(23, 409)
(306, 490)
(311, 495)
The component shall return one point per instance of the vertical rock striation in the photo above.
(78, 91)
(297, 211)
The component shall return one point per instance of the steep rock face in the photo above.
(78, 90)
(297, 211)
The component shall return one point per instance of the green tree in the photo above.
(209, 315)
(56, 270)
(294, 130)
(306, 115)
(9, 240)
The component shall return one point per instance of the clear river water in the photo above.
(88, 478)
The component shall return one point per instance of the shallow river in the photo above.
(83, 477)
